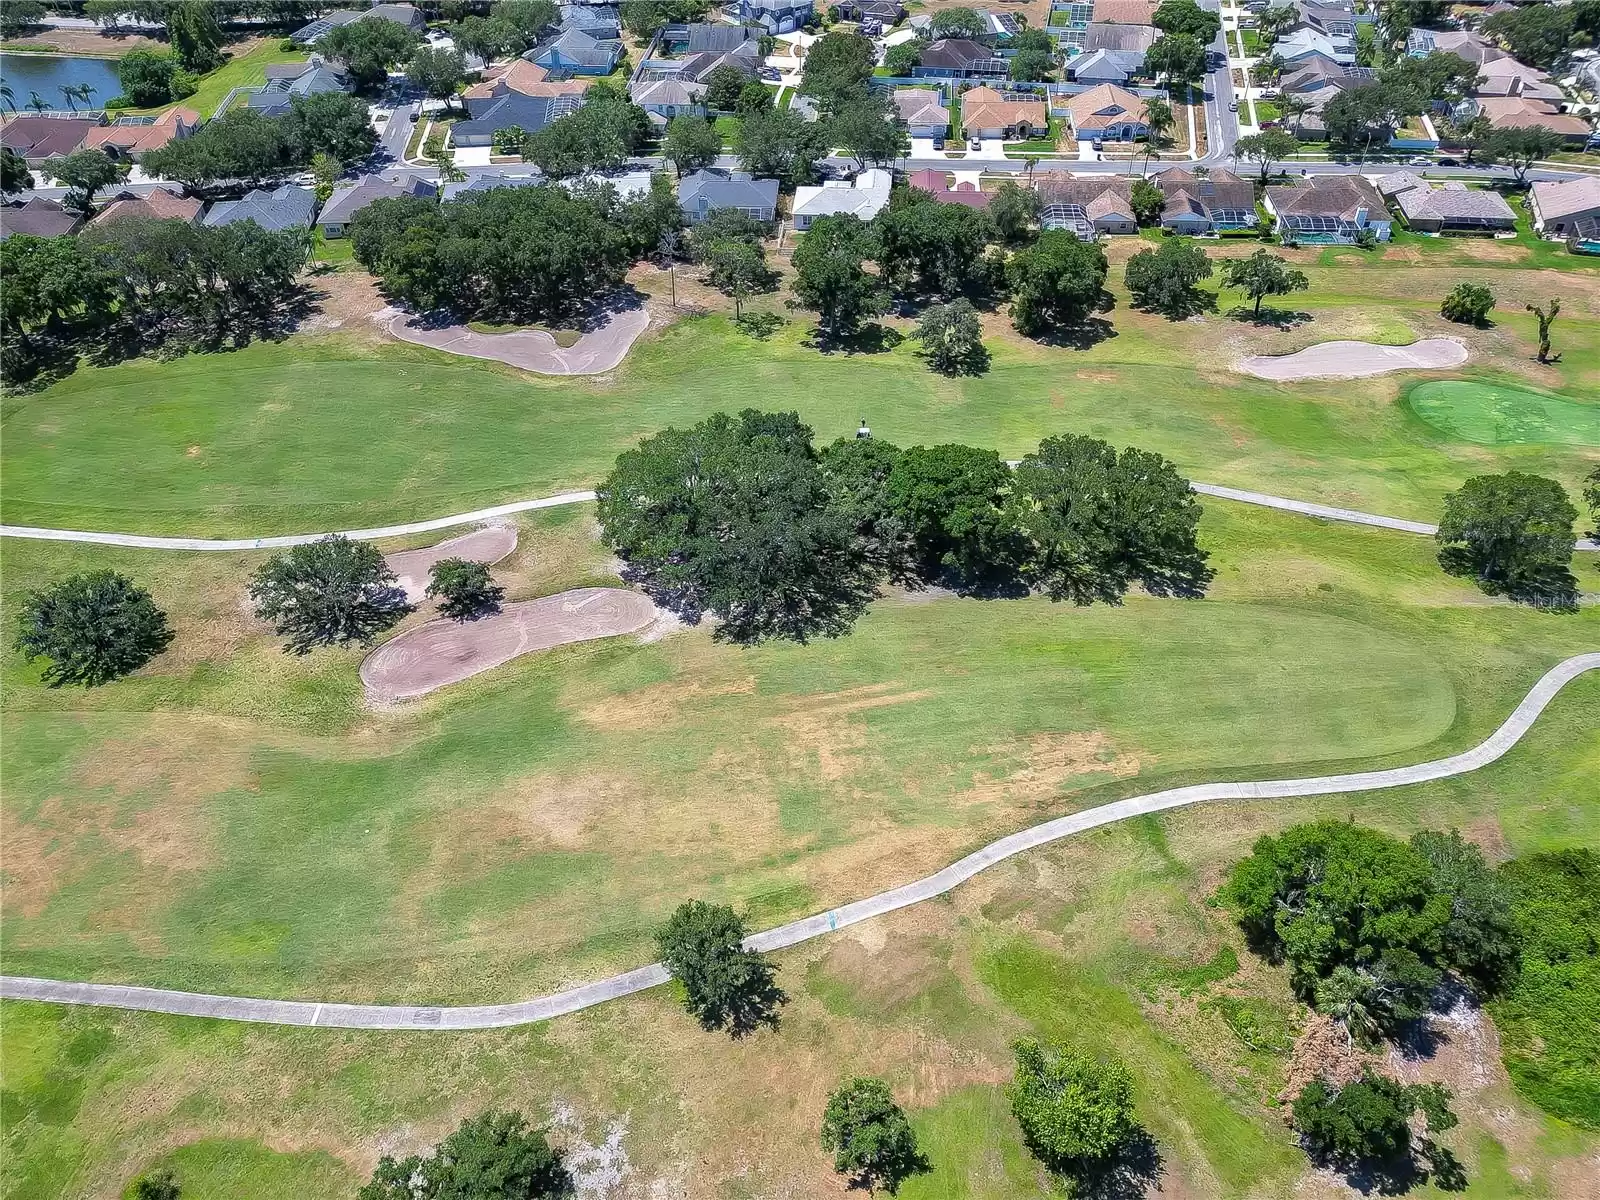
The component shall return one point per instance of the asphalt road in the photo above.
(492, 1016)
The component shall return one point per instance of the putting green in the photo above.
(1492, 414)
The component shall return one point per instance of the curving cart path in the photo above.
(493, 1016)
(140, 541)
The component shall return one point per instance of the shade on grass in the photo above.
(1494, 414)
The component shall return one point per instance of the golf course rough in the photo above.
(1493, 414)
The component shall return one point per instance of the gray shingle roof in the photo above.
(346, 202)
(1454, 203)
(288, 207)
(726, 189)
(1119, 37)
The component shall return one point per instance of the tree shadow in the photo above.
(1131, 1173)
(1277, 318)
(1194, 305)
(1552, 589)
(871, 338)
(973, 363)
(755, 1006)
(1084, 335)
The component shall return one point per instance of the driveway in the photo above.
(595, 353)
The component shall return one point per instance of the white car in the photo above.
(1233, 106)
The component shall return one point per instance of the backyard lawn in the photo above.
(242, 70)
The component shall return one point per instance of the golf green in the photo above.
(1493, 414)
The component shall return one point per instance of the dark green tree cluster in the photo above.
(1187, 17)
(1056, 284)
(831, 277)
(1034, 59)
(1513, 534)
(512, 27)
(1167, 279)
(837, 68)
(1365, 1127)
(871, 1140)
(742, 518)
(504, 255)
(1467, 304)
(91, 628)
(1370, 925)
(1077, 1117)
(493, 1156)
(925, 247)
(643, 17)
(242, 148)
(1539, 34)
(330, 592)
(368, 49)
(1263, 274)
(599, 136)
(725, 986)
(779, 143)
(691, 143)
(84, 172)
(952, 339)
(153, 77)
(464, 589)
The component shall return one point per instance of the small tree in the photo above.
(1166, 279)
(691, 143)
(952, 339)
(14, 174)
(725, 985)
(1267, 147)
(723, 87)
(494, 1154)
(326, 169)
(464, 589)
(1513, 533)
(437, 71)
(1056, 283)
(84, 172)
(1179, 57)
(1076, 1112)
(1546, 317)
(903, 58)
(869, 1137)
(1519, 149)
(1262, 275)
(1367, 1124)
(158, 1185)
(958, 23)
(1147, 201)
(1467, 304)
(329, 592)
(831, 278)
(93, 628)
(1014, 210)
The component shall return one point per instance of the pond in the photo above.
(46, 74)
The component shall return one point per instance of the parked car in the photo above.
(1421, 160)
(771, 74)
(1449, 162)
(975, 144)
(938, 143)
(1233, 106)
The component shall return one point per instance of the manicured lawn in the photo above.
(242, 70)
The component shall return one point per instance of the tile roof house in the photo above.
(923, 111)
(1519, 112)
(670, 97)
(132, 136)
(288, 207)
(346, 202)
(1106, 66)
(1452, 205)
(1466, 45)
(574, 52)
(865, 197)
(38, 138)
(37, 217)
(986, 113)
(311, 78)
(1329, 209)
(1120, 37)
(937, 185)
(958, 58)
(511, 111)
(159, 204)
(774, 16)
(1508, 77)
(1107, 113)
(1566, 209)
(1125, 12)
(1087, 206)
(1206, 203)
(525, 79)
(702, 193)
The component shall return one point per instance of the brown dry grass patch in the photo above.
(1050, 762)
(659, 705)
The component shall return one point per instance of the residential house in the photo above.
(1107, 66)
(1086, 206)
(1329, 208)
(1451, 206)
(1131, 38)
(346, 202)
(999, 27)
(1316, 75)
(1331, 20)
(288, 80)
(774, 16)
(937, 185)
(37, 138)
(885, 14)
(159, 204)
(1508, 77)
(697, 68)
(986, 113)
(1210, 203)
(959, 58)
(37, 217)
(600, 21)
(523, 78)
(1300, 44)
(865, 197)
(702, 193)
(1107, 113)
(628, 185)
(1125, 12)
(1567, 209)
(1470, 46)
(668, 98)
(313, 32)
(530, 114)
(487, 183)
(287, 207)
(922, 111)
(133, 136)
(574, 52)
(722, 39)
(1519, 112)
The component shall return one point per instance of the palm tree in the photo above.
(1029, 162)
(1158, 119)
(70, 93)
(8, 97)
(86, 92)
(37, 104)
(1294, 107)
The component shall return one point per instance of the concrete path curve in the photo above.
(140, 541)
(595, 353)
(1355, 360)
(494, 1016)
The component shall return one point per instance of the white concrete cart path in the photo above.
(494, 1016)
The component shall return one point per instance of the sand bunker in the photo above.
(443, 652)
(595, 353)
(487, 545)
(1350, 360)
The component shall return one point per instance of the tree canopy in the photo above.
(831, 277)
(837, 68)
(329, 592)
(1536, 33)
(1178, 56)
(1187, 17)
(952, 502)
(464, 589)
(1367, 1124)
(1513, 534)
(91, 628)
(1056, 283)
(437, 70)
(725, 986)
(779, 143)
(691, 143)
(244, 148)
(865, 127)
(369, 48)
(929, 248)
(952, 339)
(84, 172)
(1261, 275)
(1167, 279)
(493, 1156)
(869, 1136)
(958, 23)
(152, 77)
(1035, 56)
(723, 86)
(1075, 1111)
(1267, 147)
(1519, 148)
(599, 136)
(1467, 304)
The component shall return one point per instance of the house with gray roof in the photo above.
(1133, 38)
(1451, 206)
(37, 217)
(702, 193)
(705, 38)
(313, 32)
(1106, 66)
(346, 202)
(670, 97)
(287, 207)
(923, 111)
(1570, 208)
(1302, 43)
(1209, 203)
(493, 114)
(574, 52)
(774, 16)
(1086, 206)
(697, 68)
(1329, 209)
(959, 58)
(600, 21)
(865, 197)
(285, 81)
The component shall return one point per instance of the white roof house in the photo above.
(866, 197)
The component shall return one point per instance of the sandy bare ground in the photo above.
(487, 545)
(444, 652)
(595, 353)
(1350, 360)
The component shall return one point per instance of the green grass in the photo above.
(242, 70)
(1499, 415)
